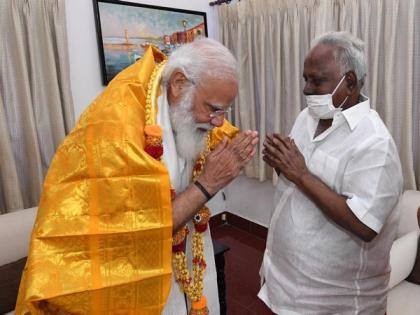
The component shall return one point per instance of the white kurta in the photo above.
(313, 266)
(180, 172)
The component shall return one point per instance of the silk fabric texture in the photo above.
(101, 243)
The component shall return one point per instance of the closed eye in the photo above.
(214, 108)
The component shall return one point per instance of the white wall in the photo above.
(251, 199)
(85, 71)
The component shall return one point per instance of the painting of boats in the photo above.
(126, 29)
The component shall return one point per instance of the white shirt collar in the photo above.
(356, 113)
(352, 115)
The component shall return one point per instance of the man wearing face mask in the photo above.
(339, 182)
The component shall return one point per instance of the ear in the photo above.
(177, 83)
(351, 81)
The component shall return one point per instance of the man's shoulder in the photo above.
(373, 125)
(374, 135)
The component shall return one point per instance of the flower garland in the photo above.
(191, 286)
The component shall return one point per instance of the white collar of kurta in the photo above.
(356, 113)
(173, 162)
(352, 115)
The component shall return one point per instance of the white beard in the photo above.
(189, 139)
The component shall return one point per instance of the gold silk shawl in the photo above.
(101, 243)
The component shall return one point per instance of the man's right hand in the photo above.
(222, 165)
(226, 161)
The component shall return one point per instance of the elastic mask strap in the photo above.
(343, 102)
(338, 85)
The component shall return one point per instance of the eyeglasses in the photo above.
(215, 110)
(219, 112)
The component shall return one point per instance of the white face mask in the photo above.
(321, 106)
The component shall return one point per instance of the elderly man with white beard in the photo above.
(122, 226)
(199, 83)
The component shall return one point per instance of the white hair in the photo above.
(201, 60)
(189, 136)
(348, 52)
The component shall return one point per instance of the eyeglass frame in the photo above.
(217, 112)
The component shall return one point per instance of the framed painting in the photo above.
(126, 29)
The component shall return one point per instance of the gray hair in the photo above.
(202, 59)
(348, 52)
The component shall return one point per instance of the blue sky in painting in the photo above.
(143, 22)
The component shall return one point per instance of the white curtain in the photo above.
(271, 39)
(36, 108)
(416, 96)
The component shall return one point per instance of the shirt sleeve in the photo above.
(373, 181)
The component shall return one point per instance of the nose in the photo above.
(217, 121)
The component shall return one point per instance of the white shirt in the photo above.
(313, 266)
(180, 173)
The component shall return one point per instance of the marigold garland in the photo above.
(191, 286)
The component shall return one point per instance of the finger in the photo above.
(268, 138)
(271, 151)
(268, 161)
(250, 156)
(268, 147)
(253, 133)
(246, 140)
(276, 147)
(220, 147)
(247, 155)
(284, 140)
(271, 162)
(267, 157)
(239, 146)
(255, 141)
(244, 154)
(243, 136)
(252, 144)
(271, 156)
(277, 140)
(281, 146)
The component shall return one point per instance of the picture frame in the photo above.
(125, 29)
